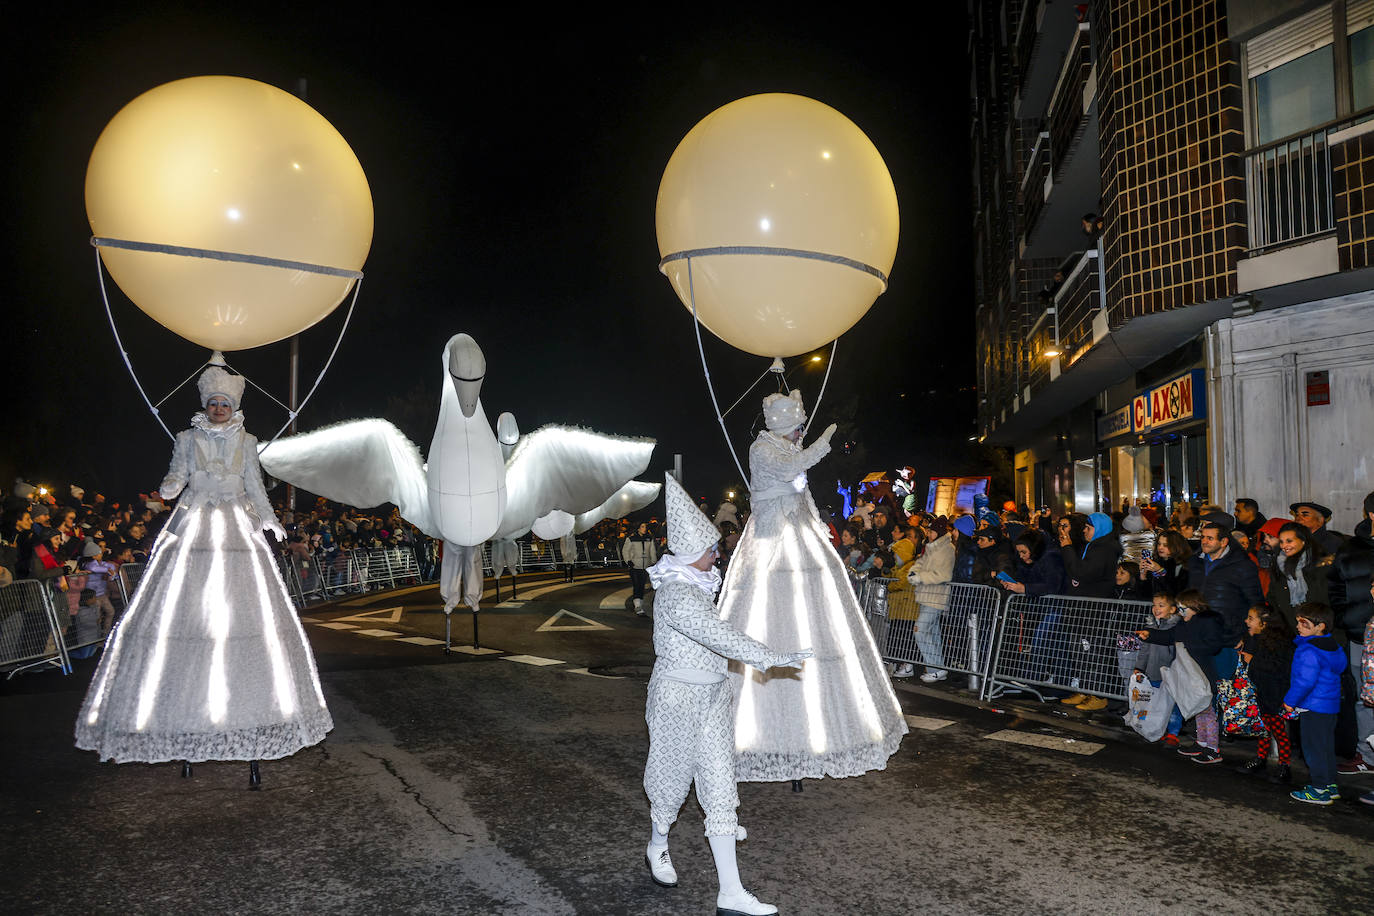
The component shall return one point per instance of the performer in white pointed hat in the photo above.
(786, 584)
(691, 729)
(210, 661)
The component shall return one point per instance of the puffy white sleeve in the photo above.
(180, 469)
(695, 620)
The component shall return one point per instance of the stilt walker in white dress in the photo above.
(787, 586)
(691, 734)
(210, 662)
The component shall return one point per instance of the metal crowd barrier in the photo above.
(950, 626)
(30, 633)
(1063, 643)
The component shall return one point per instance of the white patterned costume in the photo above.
(210, 661)
(786, 585)
(691, 729)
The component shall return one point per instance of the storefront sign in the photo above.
(1177, 401)
(1318, 388)
(1116, 423)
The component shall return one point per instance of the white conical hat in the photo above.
(690, 532)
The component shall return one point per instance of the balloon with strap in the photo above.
(228, 210)
(777, 226)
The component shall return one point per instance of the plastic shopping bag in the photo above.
(1240, 715)
(1186, 683)
(1150, 707)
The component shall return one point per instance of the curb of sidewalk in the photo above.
(1029, 712)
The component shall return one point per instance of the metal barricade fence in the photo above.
(950, 626)
(538, 555)
(30, 634)
(1060, 642)
(130, 574)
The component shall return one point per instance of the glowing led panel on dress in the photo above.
(223, 165)
(805, 202)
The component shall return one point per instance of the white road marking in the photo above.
(474, 650)
(616, 599)
(604, 677)
(373, 596)
(586, 624)
(421, 641)
(338, 626)
(511, 604)
(927, 723)
(381, 615)
(1049, 742)
(376, 633)
(533, 660)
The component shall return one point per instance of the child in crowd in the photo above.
(1314, 695)
(84, 630)
(1202, 632)
(1154, 656)
(1128, 585)
(1268, 650)
(100, 575)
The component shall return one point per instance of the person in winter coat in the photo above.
(1268, 651)
(965, 549)
(1129, 587)
(1166, 570)
(1229, 583)
(1314, 694)
(639, 551)
(1299, 573)
(1314, 516)
(993, 555)
(1154, 657)
(1202, 632)
(1349, 578)
(1039, 574)
(931, 574)
(1092, 569)
(904, 550)
(1266, 550)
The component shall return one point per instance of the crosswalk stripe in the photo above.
(511, 604)
(927, 723)
(616, 599)
(421, 641)
(533, 660)
(1049, 742)
(338, 626)
(376, 633)
(604, 677)
(474, 650)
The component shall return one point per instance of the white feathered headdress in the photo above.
(218, 381)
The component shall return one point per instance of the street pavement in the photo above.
(508, 781)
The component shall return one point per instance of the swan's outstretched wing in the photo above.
(360, 463)
(634, 495)
(575, 470)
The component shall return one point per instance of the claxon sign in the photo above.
(1176, 401)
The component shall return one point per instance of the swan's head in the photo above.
(466, 368)
(507, 433)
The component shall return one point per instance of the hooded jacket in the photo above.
(1092, 573)
(1348, 583)
(1044, 574)
(1315, 685)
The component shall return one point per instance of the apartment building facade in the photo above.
(1175, 293)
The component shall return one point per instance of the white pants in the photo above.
(691, 738)
(461, 574)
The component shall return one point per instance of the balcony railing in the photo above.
(1288, 185)
(1077, 302)
(1032, 190)
(1068, 114)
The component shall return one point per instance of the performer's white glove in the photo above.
(790, 659)
(825, 436)
(275, 527)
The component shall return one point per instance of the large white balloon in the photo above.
(225, 164)
(778, 171)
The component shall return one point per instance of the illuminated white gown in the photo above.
(787, 587)
(210, 661)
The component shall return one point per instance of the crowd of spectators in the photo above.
(1230, 586)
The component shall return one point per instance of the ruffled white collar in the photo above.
(673, 569)
(232, 425)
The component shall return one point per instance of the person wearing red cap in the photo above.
(1266, 547)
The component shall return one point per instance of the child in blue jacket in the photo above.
(1314, 693)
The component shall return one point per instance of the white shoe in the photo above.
(742, 904)
(931, 676)
(661, 867)
(639, 606)
(905, 669)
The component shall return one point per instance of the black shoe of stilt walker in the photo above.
(254, 778)
(185, 769)
(796, 785)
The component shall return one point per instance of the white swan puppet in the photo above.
(469, 491)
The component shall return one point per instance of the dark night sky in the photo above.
(514, 168)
